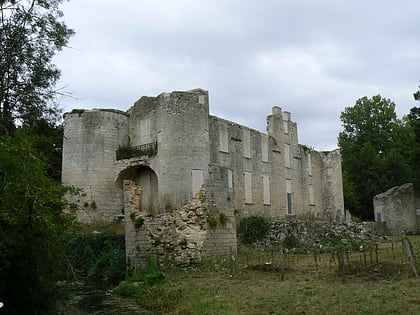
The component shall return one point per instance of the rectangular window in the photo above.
(197, 180)
(248, 187)
(289, 196)
(266, 189)
(230, 178)
(223, 139)
(309, 164)
(246, 141)
(289, 203)
(378, 216)
(287, 162)
(145, 131)
(264, 148)
(286, 118)
(311, 195)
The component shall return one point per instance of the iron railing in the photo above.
(128, 152)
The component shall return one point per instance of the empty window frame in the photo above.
(287, 161)
(223, 139)
(289, 204)
(264, 148)
(197, 180)
(230, 178)
(248, 187)
(311, 195)
(145, 131)
(309, 164)
(266, 189)
(246, 141)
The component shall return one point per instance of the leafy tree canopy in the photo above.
(377, 151)
(31, 204)
(31, 220)
(31, 32)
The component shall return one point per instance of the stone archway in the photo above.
(146, 178)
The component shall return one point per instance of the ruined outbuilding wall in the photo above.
(184, 236)
(397, 208)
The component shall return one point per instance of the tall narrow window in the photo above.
(145, 131)
(286, 118)
(264, 148)
(201, 99)
(309, 164)
(246, 141)
(287, 155)
(266, 189)
(197, 180)
(223, 139)
(230, 178)
(248, 187)
(289, 196)
(311, 195)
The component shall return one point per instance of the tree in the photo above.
(31, 204)
(30, 34)
(31, 222)
(375, 147)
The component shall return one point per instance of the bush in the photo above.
(290, 241)
(84, 250)
(128, 290)
(253, 229)
(110, 268)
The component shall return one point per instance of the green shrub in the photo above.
(253, 229)
(128, 290)
(212, 220)
(109, 269)
(84, 249)
(223, 218)
(148, 275)
(290, 241)
(157, 241)
(183, 242)
(138, 223)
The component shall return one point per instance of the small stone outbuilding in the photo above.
(399, 208)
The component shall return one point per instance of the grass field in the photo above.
(376, 282)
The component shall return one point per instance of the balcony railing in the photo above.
(127, 152)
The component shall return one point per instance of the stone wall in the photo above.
(271, 174)
(244, 170)
(310, 234)
(182, 236)
(397, 208)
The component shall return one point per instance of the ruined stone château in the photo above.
(170, 146)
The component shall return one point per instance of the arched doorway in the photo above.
(146, 178)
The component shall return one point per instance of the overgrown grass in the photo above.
(252, 285)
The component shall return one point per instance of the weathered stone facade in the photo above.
(170, 146)
(399, 208)
(182, 236)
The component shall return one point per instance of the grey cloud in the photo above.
(312, 58)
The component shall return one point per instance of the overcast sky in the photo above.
(311, 58)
